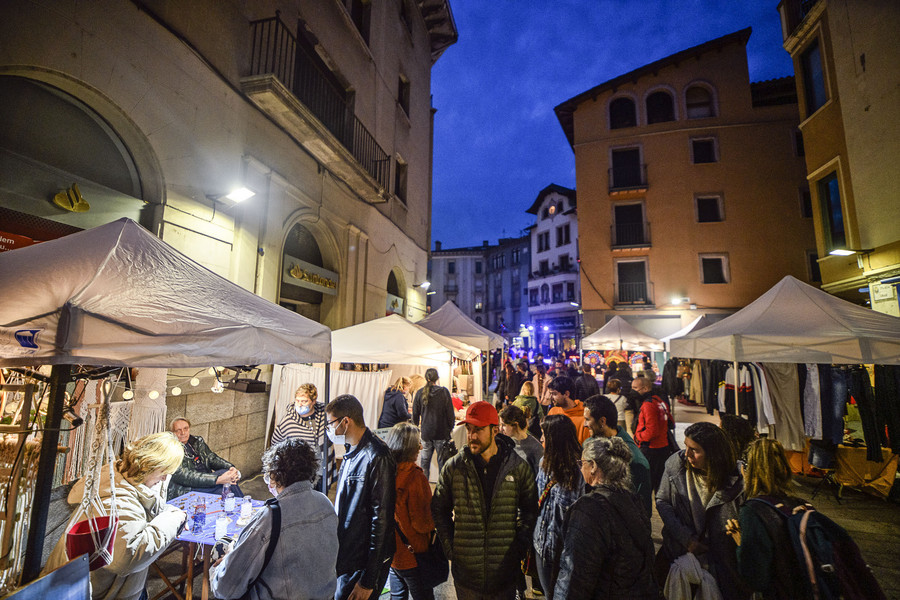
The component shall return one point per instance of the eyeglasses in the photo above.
(333, 421)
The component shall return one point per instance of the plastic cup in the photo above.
(221, 527)
(229, 503)
(246, 508)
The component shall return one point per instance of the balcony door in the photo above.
(626, 168)
(632, 279)
(629, 224)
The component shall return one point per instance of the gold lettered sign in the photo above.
(306, 275)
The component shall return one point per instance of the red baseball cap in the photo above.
(481, 414)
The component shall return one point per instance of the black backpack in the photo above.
(830, 559)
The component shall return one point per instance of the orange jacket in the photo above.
(413, 513)
(576, 414)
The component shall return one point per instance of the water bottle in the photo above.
(226, 489)
(199, 517)
(229, 503)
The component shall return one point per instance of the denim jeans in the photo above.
(545, 576)
(406, 582)
(429, 447)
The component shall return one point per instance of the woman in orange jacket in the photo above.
(412, 512)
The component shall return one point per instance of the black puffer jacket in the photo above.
(200, 473)
(436, 417)
(365, 505)
(607, 549)
(485, 546)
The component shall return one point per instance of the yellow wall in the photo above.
(758, 175)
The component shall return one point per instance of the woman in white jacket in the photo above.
(147, 525)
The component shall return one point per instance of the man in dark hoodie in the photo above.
(491, 492)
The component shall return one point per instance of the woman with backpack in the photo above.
(700, 491)
(433, 414)
(768, 541)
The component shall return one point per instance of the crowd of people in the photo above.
(553, 486)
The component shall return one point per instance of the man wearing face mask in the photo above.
(364, 502)
(201, 470)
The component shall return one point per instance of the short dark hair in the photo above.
(613, 386)
(515, 415)
(290, 461)
(601, 406)
(346, 405)
(562, 384)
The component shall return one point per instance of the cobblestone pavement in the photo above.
(874, 523)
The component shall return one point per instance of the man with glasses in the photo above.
(364, 502)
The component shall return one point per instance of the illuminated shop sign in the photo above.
(306, 275)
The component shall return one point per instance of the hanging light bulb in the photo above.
(176, 391)
(195, 382)
(127, 394)
(153, 394)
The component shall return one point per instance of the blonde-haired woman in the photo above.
(147, 525)
(396, 404)
(304, 419)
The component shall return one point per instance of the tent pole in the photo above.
(737, 374)
(34, 548)
(325, 442)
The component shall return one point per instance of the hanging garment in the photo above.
(746, 395)
(785, 394)
(765, 414)
(887, 403)
(696, 388)
(861, 390)
(812, 403)
(726, 403)
(835, 407)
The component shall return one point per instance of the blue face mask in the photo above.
(302, 410)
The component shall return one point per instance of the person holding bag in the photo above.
(433, 413)
(413, 514)
(289, 549)
(147, 525)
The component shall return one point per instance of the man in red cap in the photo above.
(492, 493)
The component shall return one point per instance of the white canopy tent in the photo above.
(695, 325)
(452, 322)
(405, 346)
(796, 323)
(117, 295)
(618, 334)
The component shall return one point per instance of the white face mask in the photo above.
(337, 440)
(272, 490)
(302, 409)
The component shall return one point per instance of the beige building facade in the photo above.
(846, 55)
(692, 195)
(156, 110)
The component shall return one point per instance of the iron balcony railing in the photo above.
(625, 235)
(627, 177)
(275, 51)
(636, 294)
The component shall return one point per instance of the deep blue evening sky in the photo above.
(497, 140)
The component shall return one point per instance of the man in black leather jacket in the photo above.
(201, 470)
(364, 501)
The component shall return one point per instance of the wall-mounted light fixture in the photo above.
(676, 300)
(424, 285)
(237, 195)
(859, 252)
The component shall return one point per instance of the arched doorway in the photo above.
(305, 280)
(396, 301)
(54, 144)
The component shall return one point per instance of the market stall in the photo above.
(619, 334)
(450, 321)
(794, 326)
(116, 295)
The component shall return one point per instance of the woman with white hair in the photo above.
(147, 525)
(607, 550)
(412, 512)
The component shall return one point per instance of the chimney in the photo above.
(437, 244)
(486, 243)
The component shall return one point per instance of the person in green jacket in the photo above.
(491, 491)
(601, 415)
(534, 412)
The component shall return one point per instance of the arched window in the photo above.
(392, 286)
(301, 296)
(545, 294)
(660, 107)
(622, 113)
(699, 102)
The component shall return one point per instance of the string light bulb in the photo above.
(127, 394)
(217, 388)
(176, 391)
(153, 394)
(195, 381)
